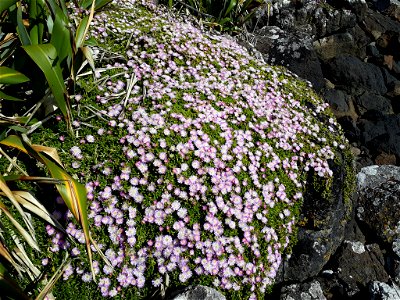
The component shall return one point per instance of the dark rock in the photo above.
(394, 89)
(383, 291)
(375, 24)
(358, 7)
(385, 159)
(361, 40)
(351, 71)
(393, 10)
(363, 161)
(293, 50)
(321, 226)
(356, 265)
(353, 232)
(336, 45)
(389, 78)
(373, 51)
(199, 292)
(396, 67)
(389, 43)
(380, 5)
(309, 290)
(378, 208)
(381, 135)
(337, 99)
(351, 131)
(369, 101)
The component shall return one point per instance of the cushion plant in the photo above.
(195, 157)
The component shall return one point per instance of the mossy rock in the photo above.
(195, 156)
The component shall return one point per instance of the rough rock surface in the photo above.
(311, 291)
(367, 261)
(199, 292)
(383, 291)
(355, 45)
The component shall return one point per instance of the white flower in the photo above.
(75, 151)
(90, 138)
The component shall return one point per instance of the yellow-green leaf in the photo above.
(98, 3)
(87, 52)
(11, 76)
(30, 203)
(4, 96)
(28, 238)
(75, 197)
(83, 28)
(6, 190)
(54, 278)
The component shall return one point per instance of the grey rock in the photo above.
(378, 207)
(384, 291)
(396, 246)
(374, 176)
(291, 49)
(304, 291)
(199, 292)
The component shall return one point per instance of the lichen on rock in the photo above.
(195, 157)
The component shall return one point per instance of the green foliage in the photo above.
(224, 15)
(41, 51)
(40, 43)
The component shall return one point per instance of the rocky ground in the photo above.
(350, 52)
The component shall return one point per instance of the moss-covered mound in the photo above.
(194, 155)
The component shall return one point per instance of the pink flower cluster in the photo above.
(215, 148)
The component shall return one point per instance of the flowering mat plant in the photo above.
(195, 157)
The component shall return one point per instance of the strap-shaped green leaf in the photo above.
(232, 5)
(5, 4)
(72, 192)
(61, 36)
(45, 56)
(21, 30)
(36, 16)
(11, 76)
(4, 96)
(98, 3)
